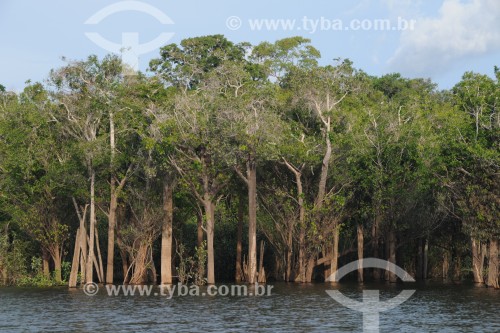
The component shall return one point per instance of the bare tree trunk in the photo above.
(83, 254)
(392, 254)
(99, 257)
(477, 261)
(56, 257)
(91, 257)
(457, 266)
(199, 227)
(75, 262)
(300, 199)
(360, 238)
(113, 203)
(166, 234)
(111, 231)
(45, 263)
(309, 270)
(375, 244)
(324, 168)
(289, 250)
(334, 263)
(210, 216)
(420, 259)
(252, 220)
(139, 275)
(239, 236)
(426, 258)
(446, 265)
(262, 272)
(120, 215)
(302, 258)
(493, 264)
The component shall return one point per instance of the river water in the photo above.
(289, 308)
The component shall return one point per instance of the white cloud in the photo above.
(462, 30)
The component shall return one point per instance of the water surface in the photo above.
(290, 308)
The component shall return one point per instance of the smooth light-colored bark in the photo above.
(252, 220)
(360, 239)
(239, 236)
(166, 233)
(91, 257)
(493, 264)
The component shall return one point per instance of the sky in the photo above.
(438, 39)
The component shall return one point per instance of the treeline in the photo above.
(248, 163)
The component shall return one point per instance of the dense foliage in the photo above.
(322, 165)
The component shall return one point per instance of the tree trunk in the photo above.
(120, 216)
(334, 263)
(76, 261)
(139, 274)
(493, 264)
(166, 234)
(45, 263)
(83, 253)
(252, 220)
(360, 238)
(239, 236)
(289, 252)
(426, 258)
(477, 261)
(302, 258)
(113, 203)
(199, 227)
(446, 265)
(111, 232)
(289, 255)
(56, 257)
(91, 257)
(392, 254)
(309, 270)
(100, 268)
(420, 260)
(324, 169)
(210, 217)
(375, 244)
(261, 272)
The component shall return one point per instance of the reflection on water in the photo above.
(291, 308)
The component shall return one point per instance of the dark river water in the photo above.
(290, 308)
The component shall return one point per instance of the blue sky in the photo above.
(449, 36)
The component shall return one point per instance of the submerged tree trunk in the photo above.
(426, 258)
(375, 244)
(239, 236)
(493, 264)
(252, 220)
(199, 229)
(91, 257)
(422, 261)
(45, 262)
(289, 253)
(477, 261)
(111, 231)
(392, 277)
(56, 257)
(446, 265)
(75, 262)
(210, 217)
(360, 238)
(166, 233)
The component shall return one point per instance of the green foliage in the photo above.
(387, 151)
